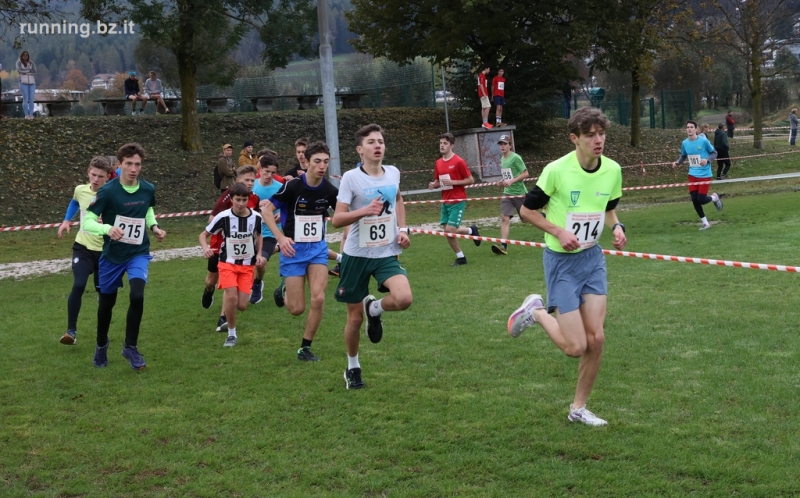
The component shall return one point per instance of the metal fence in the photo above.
(665, 109)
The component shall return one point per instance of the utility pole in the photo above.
(328, 91)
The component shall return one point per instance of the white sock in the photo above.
(714, 197)
(352, 362)
(460, 254)
(338, 258)
(704, 220)
(485, 120)
(232, 332)
(375, 309)
(498, 119)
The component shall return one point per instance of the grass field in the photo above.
(697, 382)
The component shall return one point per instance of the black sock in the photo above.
(505, 246)
(306, 343)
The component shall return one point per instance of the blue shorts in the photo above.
(111, 273)
(305, 253)
(570, 275)
(499, 101)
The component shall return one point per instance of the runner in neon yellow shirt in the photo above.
(581, 191)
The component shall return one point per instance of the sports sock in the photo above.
(470, 231)
(485, 120)
(704, 220)
(256, 280)
(498, 119)
(232, 332)
(505, 246)
(305, 344)
(352, 362)
(375, 308)
(338, 258)
(460, 254)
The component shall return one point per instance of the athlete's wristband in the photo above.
(404, 230)
(615, 225)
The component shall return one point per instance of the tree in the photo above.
(753, 30)
(531, 40)
(631, 36)
(75, 80)
(203, 33)
(14, 12)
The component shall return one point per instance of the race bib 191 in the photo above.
(308, 228)
(376, 231)
(507, 174)
(441, 183)
(240, 248)
(694, 160)
(132, 229)
(587, 227)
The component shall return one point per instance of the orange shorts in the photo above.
(701, 189)
(240, 276)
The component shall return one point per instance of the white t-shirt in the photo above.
(373, 236)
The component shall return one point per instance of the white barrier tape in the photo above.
(640, 255)
(75, 223)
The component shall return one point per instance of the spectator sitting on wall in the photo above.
(154, 89)
(133, 92)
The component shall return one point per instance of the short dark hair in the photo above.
(264, 152)
(130, 150)
(449, 137)
(101, 162)
(247, 168)
(239, 189)
(486, 66)
(317, 148)
(691, 121)
(584, 118)
(301, 141)
(268, 160)
(363, 132)
(720, 126)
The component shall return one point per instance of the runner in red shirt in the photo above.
(452, 174)
(483, 94)
(247, 175)
(499, 96)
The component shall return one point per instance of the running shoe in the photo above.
(208, 298)
(352, 379)
(280, 294)
(459, 262)
(718, 202)
(522, 317)
(131, 353)
(584, 416)
(474, 229)
(374, 324)
(487, 126)
(305, 354)
(222, 324)
(705, 227)
(230, 341)
(70, 337)
(499, 250)
(335, 272)
(255, 293)
(101, 356)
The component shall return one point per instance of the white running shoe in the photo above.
(705, 227)
(522, 317)
(718, 202)
(584, 416)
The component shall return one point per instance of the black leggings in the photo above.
(698, 200)
(723, 160)
(81, 274)
(107, 302)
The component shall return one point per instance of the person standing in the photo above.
(87, 248)
(452, 174)
(126, 208)
(27, 82)
(300, 168)
(246, 155)
(370, 202)
(704, 129)
(723, 152)
(134, 93)
(499, 96)
(731, 124)
(582, 189)
(483, 94)
(226, 168)
(155, 90)
(514, 172)
(700, 154)
(793, 127)
(304, 203)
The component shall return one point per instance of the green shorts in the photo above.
(452, 214)
(355, 272)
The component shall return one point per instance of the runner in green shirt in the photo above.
(514, 172)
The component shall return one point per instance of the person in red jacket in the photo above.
(499, 96)
(483, 94)
(731, 123)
